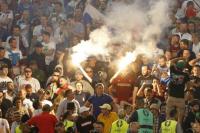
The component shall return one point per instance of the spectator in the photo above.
(11, 91)
(4, 79)
(45, 122)
(120, 125)
(81, 96)
(5, 104)
(48, 47)
(178, 80)
(4, 60)
(4, 128)
(98, 127)
(86, 86)
(28, 79)
(107, 117)
(22, 42)
(171, 124)
(143, 116)
(38, 56)
(84, 122)
(62, 108)
(13, 53)
(99, 99)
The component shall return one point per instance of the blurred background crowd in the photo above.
(41, 91)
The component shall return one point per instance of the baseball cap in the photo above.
(83, 109)
(105, 106)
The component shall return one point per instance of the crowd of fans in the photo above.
(41, 91)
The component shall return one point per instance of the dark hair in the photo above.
(46, 33)
(185, 41)
(16, 26)
(67, 92)
(173, 113)
(70, 106)
(66, 114)
(11, 39)
(46, 108)
(25, 118)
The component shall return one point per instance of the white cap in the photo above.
(83, 109)
(105, 106)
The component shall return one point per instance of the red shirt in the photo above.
(45, 122)
(123, 87)
(191, 12)
(61, 89)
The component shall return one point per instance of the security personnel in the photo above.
(171, 125)
(143, 116)
(120, 125)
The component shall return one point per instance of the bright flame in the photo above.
(126, 60)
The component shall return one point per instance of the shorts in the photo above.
(178, 103)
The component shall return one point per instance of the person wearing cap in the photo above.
(107, 117)
(143, 116)
(176, 87)
(99, 99)
(154, 108)
(193, 114)
(38, 56)
(171, 125)
(45, 121)
(120, 125)
(85, 121)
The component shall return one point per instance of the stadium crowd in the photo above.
(41, 91)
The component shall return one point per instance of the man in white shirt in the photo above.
(28, 79)
(49, 47)
(37, 31)
(13, 53)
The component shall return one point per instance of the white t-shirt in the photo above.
(5, 79)
(37, 31)
(33, 82)
(14, 56)
(28, 103)
(196, 48)
(4, 16)
(3, 125)
(46, 47)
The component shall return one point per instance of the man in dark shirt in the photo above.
(5, 61)
(5, 104)
(176, 87)
(38, 56)
(85, 121)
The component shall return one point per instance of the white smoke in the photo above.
(131, 25)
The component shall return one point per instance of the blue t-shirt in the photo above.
(97, 101)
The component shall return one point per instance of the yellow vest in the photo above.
(68, 124)
(169, 126)
(119, 126)
(18, 130)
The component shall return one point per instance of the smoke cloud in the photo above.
(137, 25)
